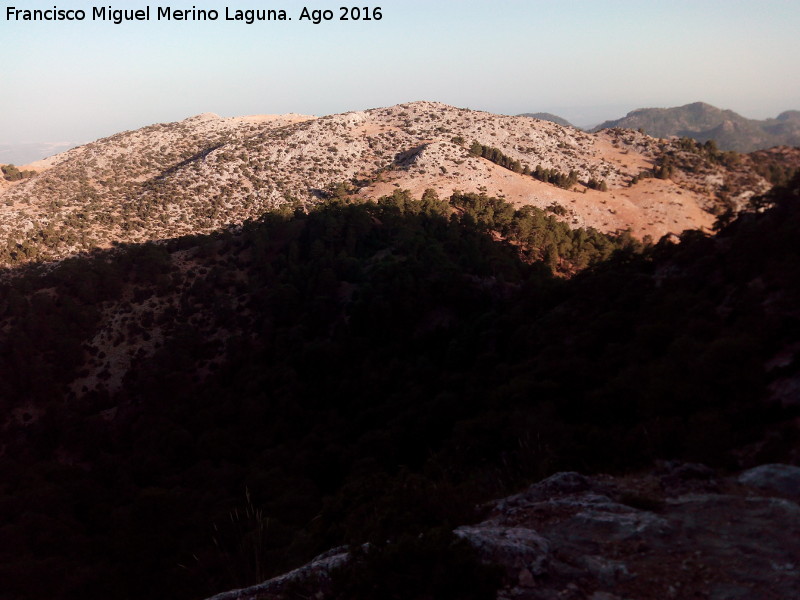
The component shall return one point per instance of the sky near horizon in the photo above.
(587, 61)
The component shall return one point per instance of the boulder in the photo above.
(516, 549)
(777, 478)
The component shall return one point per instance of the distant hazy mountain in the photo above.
(545, 116)
(704, 122)
(28, 152)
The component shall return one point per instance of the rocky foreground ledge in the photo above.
(680, 531)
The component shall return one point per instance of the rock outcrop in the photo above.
(317, 570)
(679, 531)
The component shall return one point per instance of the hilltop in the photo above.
(545, 116)
(208, 172)
(704, 122)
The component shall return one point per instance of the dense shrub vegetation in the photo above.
(369, 372)
(776, 169)
(12, 173)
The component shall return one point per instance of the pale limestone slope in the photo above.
(208, 172)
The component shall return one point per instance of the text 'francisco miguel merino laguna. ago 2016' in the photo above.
(167, 13)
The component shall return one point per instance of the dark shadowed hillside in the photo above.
(199, 414)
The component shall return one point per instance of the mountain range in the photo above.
(231, 345)
(704, 122)
(207, 172)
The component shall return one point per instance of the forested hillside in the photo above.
(703, 122)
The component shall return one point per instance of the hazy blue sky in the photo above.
(585, 60)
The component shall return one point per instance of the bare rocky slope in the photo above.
(208, 172)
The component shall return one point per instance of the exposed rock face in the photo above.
(680, 531)
(521, 551)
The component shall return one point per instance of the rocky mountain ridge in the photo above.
(207, 172)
